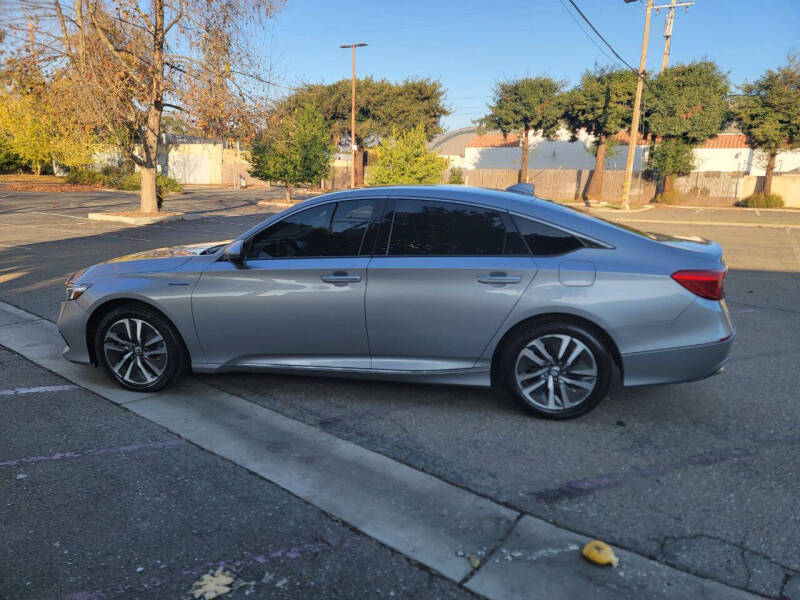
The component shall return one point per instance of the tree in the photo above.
(602, 105)
(768, 113)
(40, 132)
(296, 151)
(688, 104)
(670, 157)
(128, 61)
(380, 106)
(404, 158)
(525, 105)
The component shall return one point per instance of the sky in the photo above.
(469, 45)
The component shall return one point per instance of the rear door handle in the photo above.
(340, 278)
(498, 278)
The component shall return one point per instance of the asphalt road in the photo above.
(703, 476)
(99, 503)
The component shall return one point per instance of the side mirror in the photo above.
(234, 253)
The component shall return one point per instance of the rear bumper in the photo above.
(675, 365)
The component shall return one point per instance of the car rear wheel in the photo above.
(556, 370)
(139, 348)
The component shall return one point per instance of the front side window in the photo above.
(543, 240)
(334, 229)
(429, 228)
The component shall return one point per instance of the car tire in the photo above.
(555, 370)
(139, 348)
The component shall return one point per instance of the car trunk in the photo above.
(692, 246)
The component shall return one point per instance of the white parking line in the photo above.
(38, 389)
(795, 245)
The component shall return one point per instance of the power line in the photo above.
(600, 35)
(591, 39)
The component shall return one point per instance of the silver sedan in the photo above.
(442, 284)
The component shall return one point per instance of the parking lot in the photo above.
(703, 477)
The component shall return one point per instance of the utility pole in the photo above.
(353, 146)
(668, 35)
(668, 28)
(637, 102)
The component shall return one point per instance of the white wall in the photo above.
(562, 154)
(785, 162)
(546, 154)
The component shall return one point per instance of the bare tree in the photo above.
(129, 61)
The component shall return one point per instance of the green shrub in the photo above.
(762, 200)
(164, 184)
(85, 176)
(167, 184)
(114, 176)
(456, 176)
(672, 196)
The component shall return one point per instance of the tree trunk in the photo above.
(148, 198)
(594, 191)
(770, 171)
(38, 168)
(288, 193)
(523, 172)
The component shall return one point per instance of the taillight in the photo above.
(706, 283)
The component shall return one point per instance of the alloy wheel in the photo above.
(556, 372)
(135, 351)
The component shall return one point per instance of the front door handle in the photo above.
(498, 278)
(340, 278)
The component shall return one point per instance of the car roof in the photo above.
(489, 197)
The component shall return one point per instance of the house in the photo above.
(728, 152)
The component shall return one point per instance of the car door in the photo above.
(449, 275)
(299, 298)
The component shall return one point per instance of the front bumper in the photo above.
(72, 321)
(676, 365)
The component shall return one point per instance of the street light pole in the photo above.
(353, 146)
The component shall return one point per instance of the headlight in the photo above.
(75, 291)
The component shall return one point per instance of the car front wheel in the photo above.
(139, 348)
(556, 370)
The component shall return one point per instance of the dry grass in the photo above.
(42, 183)
(30, 178)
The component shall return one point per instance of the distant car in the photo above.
(440, 284)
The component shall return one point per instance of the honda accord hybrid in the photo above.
(438, 284)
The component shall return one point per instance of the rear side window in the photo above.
(543, 240)
(430, 228)
(326, 230)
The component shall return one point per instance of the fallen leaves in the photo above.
(212, 585)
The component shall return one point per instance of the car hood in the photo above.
(186, 250)
(152, 261)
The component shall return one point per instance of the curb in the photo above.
(144, 220)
